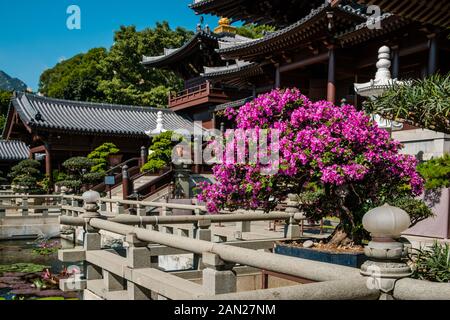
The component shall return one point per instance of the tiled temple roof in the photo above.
(177, 54)
(389, 22)
(233, 104)
(12, 150)
(239, 66)
(93, 118)
(300, 30)
(434, 12)
(278, 13)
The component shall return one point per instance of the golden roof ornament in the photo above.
(225, 26)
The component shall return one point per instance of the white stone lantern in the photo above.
(376, 87)
(159, 126)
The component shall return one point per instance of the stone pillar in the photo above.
(218, 276)
(2, 213)
(144, 156)
(433, 54)
(331, 87)
(292, 228)
(385, 266)
(125, 182)
(138, 257)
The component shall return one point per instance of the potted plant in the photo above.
(333, 156)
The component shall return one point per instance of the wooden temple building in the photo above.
(321, 47)
(56, 130)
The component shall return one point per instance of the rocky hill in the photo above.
(8, 83)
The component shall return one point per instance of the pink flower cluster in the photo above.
(319, 143)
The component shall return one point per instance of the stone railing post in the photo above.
(140, 211)
(292, 228)
(218, 275)
(74, 204)
(120, 209)
(165, 211)
(385, 266)
(24, 210)
(138, 257)
(202, 231)
(92, 238)
(242, 227)
(102, 206)
(63, 203)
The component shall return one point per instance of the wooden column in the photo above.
(331, 87)
(277, 76)
(48, 163)
(395, 62)
(144, 156)
(433, 54)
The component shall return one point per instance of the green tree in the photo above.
(127, 80)
(254, 31)
(5, 98)
(436, 173)
(101, 155)
(76, 78)
(160, 152)
(26, 177)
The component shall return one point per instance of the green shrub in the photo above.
(432, 264)
(424, 104)
(101, 155)
(436, 173)
(160, 152)
(26, 177)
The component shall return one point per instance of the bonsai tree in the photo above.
(334, 158)
(160, 155)
(78, 173)
(101, 155)
(26, 177)
(424, 103)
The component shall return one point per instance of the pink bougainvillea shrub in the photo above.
(336, 151)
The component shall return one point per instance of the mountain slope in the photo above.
(8, 83)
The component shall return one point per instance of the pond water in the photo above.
(21, 252)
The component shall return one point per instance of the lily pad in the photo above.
(23, 267)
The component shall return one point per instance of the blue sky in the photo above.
(34, 35)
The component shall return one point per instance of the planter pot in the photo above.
(354, 260)
(115, 159)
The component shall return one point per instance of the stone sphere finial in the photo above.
(386, 222)
(91, 196)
